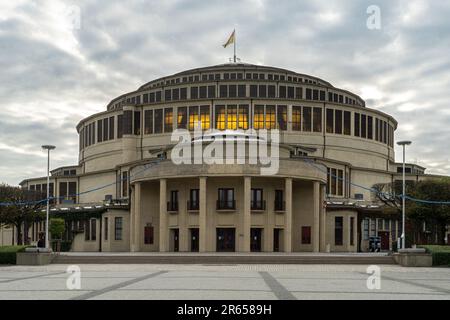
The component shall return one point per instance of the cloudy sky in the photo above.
(58, 67)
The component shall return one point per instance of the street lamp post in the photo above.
(48, 148)
(403, 144)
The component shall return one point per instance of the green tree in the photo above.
(57, 228)
(20, 208)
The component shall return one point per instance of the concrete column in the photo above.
(163, 230)
(316, 216)
(288, 217)
(132, 215)
(202, 215)
(246, 216)
(323, 220)
(137, 216)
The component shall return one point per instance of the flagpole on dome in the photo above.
(234, 43)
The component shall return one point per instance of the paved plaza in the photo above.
(185, 282)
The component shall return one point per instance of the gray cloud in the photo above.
(53, 76)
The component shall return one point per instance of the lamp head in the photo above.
(404, 143)
(48, 147)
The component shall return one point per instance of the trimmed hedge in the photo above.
(8, 254)
(441, 254)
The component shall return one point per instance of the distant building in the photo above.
(126, 193)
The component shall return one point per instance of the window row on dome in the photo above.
(261, 91)
(238, 116)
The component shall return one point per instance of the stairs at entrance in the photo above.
(221, 258)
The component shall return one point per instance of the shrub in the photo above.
(441, 254)
(8, 254)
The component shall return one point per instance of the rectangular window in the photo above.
(148, 235)
(338, 122)
(111, 128)
(307, 119)
(203, 92)
(183, 93)
(357, 124)
(211, 91)
(118, 227)
(105, 129)
(62, 191)
(127, 122)
(253, 91)
(291, 93)
(306, 235)
(176, 94)
(158, 120)
(369, 127)
(271, 91)
(298, 93)
(262, 91)
(385, 132)
(256, 199)
(93, 229)
(168, 119)
(338, 231)
(347, 121)
(194, 199)
(296, 118)
(87, 230)
(168, 95)
(148, 122)
(282, 117)
(72, 194)
(193, 117)
(352, 231)
(363, 126)
(124, 184)
(105, 232)
(308, 94)
(205, 117)
(182, 118)
(279, 204)
(317, 119)
(282, 91)
(220, 117)
(99, 130)
(366, 229)
(231, 117)
(225, 198)
(270, 117)
(333, 181)
(119, 126)
(194, 92)
(243, 117)
(137, 123)
(258, 117)
(315, 94)
(340, 182)
(242, 91)
(223, 91)
(330, 120)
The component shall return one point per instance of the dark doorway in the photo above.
(175, 233)
(225, 239)
(255, 239)
(384, 235)
(276, 240)
(194, 240)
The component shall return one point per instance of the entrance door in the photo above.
(276, 240)
(175, 234)
(225, 239)
(255, 239)
(384, 239)
(194, 240)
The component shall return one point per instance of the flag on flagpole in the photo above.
(230, 40)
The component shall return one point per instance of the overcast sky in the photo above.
(57, 69)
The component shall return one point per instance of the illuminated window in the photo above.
(270, 117)
(282, 117)
(258, 117)
(168, 119)
(296, 118)
(232, 117)
(193, 117)
(205, 117)
(243, 117)
(182, 118)
(220, 117)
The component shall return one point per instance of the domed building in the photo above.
(128, 193)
